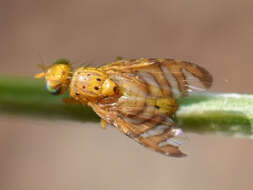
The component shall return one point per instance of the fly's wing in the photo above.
(152, 86)
(158, 133)
(174, 77)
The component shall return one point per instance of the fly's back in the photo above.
(91, 84)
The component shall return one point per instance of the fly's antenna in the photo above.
(42, 67)
(41, 59)
(42, 74)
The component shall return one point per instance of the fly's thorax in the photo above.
(91, 84)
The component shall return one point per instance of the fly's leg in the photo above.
(103, 124)
(70, 101)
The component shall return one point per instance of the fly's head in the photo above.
(57, 76)
(92, 84)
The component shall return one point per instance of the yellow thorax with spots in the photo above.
(92, 84)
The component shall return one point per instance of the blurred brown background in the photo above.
(45, 155)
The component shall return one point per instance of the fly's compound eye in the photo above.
(53, 89)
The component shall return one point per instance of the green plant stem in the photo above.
(230, 114)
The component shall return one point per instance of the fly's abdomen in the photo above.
(133, 95)
(142, 101)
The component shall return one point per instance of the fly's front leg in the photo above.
(106, 117)
(70, 101)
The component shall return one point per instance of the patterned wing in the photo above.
(174, 77)
(157, 133)
(149, 88)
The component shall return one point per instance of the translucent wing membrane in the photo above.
(157, 132)
(149, 88)
(159, 136)
(173, 77)
(150, 128)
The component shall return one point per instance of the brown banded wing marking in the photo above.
(152, 135)
(140, 97)
(127, 65)
(176, 68)
(199, 72)
(144, 128)
(181, 69)
(142, 133)
(157, 137)
(152, 84)
(142, 65)
(180, 78)
(140, 129)
(156, 72)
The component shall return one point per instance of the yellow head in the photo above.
(58, 76)
(92, 84)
